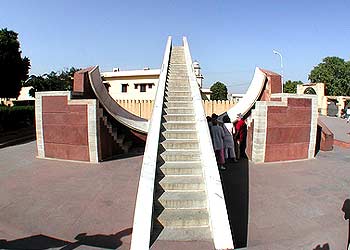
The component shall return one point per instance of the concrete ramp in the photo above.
(251, 96)
(112, 107)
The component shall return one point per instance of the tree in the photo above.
(13, 68)
(335, 73)
(291, 86)
(51, 82)
(218, 91)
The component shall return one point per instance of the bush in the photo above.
(16, 117)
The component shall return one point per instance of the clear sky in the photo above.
(229, 38)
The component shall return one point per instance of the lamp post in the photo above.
(278, 53)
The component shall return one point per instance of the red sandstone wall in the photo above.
(288, 131)
(326, 139)
(273, 85)
(65, 129)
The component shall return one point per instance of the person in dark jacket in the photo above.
(241, 136)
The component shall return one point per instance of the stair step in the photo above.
(182, 200)
(180, 155)
(179, 104)
(177, 125)
(180, 144)
(178, 98)
(184, 217)
(184, 182)
(178, 82)
(120, 139)
(181, 168)
(180, 134)
(179, 117)
(178, 88)
(182, 73)
(177, 110)
(185, 234)
(179, 93)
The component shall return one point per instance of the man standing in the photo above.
(217, 135)
(241, 136)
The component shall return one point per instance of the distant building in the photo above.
(327, 105)
(132, 84)
(235, 97)
(23, 99)
(139, 84)
(206, 93)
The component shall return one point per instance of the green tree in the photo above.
(218, 91)
(51, 82)
(291, 86)
(13, 68)
(335, 73)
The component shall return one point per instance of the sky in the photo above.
(229, 38)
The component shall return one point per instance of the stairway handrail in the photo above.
(218, 218)
(144, 202)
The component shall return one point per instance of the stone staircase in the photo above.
(118, 138)
(180, 204)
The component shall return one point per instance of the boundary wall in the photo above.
(143, 108)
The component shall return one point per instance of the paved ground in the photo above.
(47, 203)
(65, 205)
(297, 205)
(338, 126)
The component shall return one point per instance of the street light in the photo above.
(278, 53)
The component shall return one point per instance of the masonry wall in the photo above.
(65, 129)
(288, 130)
(143, 108)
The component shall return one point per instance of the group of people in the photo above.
(229, 139)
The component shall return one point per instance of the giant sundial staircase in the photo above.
(180, 196)
(180, 202)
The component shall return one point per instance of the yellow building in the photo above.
(139, 84)
(132, 84)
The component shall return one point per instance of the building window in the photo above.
(124, 88)
(150, 86)
(142, 87)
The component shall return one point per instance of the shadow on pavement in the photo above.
(324, 247)
(33, 242)
(41, 242)
(235, 181)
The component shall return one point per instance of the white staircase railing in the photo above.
(144, 202)
(218, 218)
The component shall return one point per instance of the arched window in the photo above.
(309, 91)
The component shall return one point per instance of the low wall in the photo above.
(143, 108)
(325, 137)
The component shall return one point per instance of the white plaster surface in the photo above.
(250, 97)
(131, 121)
(144, 202)
(218, 217)
(259, 115)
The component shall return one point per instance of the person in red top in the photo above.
(241, 136)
